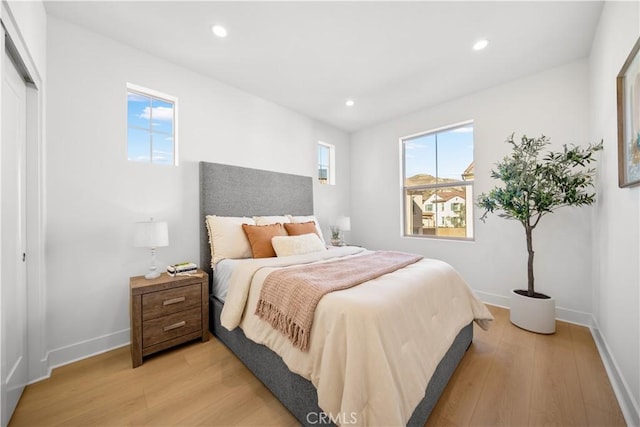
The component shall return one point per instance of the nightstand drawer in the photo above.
(172, 326)
(162, 303)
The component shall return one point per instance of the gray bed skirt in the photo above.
(298, 395)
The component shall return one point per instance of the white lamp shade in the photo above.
(344, 223)
(151, 234)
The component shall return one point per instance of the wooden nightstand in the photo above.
(167, 311)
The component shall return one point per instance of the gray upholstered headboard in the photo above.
(236, 191)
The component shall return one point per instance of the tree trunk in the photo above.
(529, 232)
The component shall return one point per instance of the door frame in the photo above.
(37, 356)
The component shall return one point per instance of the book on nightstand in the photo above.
(182, 269)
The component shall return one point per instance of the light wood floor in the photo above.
(508, 377)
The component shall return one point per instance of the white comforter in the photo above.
(374, 347)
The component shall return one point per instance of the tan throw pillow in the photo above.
(297, 245)
(260, 238)
(301, 228)
(226, 237)
(299, 219)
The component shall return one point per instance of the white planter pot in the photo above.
(533, 314)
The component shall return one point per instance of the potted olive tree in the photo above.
(534, 186)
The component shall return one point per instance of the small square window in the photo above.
(326, 163)
(151, 126)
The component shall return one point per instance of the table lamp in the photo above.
(151, 234)
(344, 224)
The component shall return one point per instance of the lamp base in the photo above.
(152, 275)
(153, 270)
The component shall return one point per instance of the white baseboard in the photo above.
(39, 371)
(628, 406)
(83, 349)
(493, 299)
(564, 314)
(574, 316)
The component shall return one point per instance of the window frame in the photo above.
(331, 172)
(461, 183)
(154, 94)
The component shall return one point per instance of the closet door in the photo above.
(13, 271)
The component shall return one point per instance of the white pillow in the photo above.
(299, 219)
(226, 237)
(297, 245)
(268, 220)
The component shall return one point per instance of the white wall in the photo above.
(617, 214)
(552, 102)
(95, 195)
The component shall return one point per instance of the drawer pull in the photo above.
(174, 326)
(173, 301)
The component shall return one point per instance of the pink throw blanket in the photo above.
(289, 296)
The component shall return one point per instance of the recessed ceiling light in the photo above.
(480, 44)
(350, 103)
(219, 31)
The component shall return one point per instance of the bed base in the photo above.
(299, 395)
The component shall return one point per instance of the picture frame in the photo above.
(628, 100)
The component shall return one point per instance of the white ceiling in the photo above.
(392, 58)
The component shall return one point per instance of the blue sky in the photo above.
(150, 124)
(323, 155)
(454, 153)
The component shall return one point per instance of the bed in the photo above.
(233, 191)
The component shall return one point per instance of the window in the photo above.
(151, 126)
(438, 183)
(326, 163)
